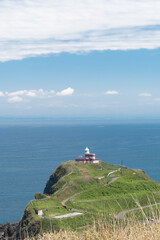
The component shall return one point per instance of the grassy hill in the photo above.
(127, 231)
(86, 189)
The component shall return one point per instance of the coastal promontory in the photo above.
(77, 194)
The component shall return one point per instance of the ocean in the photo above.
(30, 153)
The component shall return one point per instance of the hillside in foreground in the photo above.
(78, 195)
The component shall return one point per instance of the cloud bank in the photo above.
(21, 95)
(35, 27)
(30, 93)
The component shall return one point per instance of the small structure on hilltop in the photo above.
(88, 157)
(39, 212)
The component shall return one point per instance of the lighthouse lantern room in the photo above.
(88, 157)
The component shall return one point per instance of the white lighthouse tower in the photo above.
(88, 157)
(87, 151)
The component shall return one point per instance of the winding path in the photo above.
(118, 170)
(76, 213)
(122, 214)
(65, 200)
(69, 215)
(113, 179)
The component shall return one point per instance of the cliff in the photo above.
(57, 177)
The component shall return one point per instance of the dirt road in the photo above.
(122, 214)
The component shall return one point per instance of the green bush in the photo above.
(39, 196)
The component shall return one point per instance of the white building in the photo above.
(88, 157)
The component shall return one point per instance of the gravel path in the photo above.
(122, 214)
(69, 215)
(113, 179)
(65, 200)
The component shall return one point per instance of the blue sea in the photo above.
(30, 153)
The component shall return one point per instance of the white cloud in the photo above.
(21, 93)
(112, 92)
(15, 99)
(157, 99)
(36, 27)
(41, 91)
(145, 95)
(66, 92)
(2, 94)
(40, 94)
(31, 93)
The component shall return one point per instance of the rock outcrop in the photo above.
(51, 186)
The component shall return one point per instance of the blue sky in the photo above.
(89, 59)
(107, 83)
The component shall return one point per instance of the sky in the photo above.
(80, 58)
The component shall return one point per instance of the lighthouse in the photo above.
(87, 151)
(88, 157)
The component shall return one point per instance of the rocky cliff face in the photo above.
(57, 175)
(20, 230)
(26, 227)
(8, 231)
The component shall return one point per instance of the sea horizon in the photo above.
(20, 120)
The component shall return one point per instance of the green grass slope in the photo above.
(77, 187)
